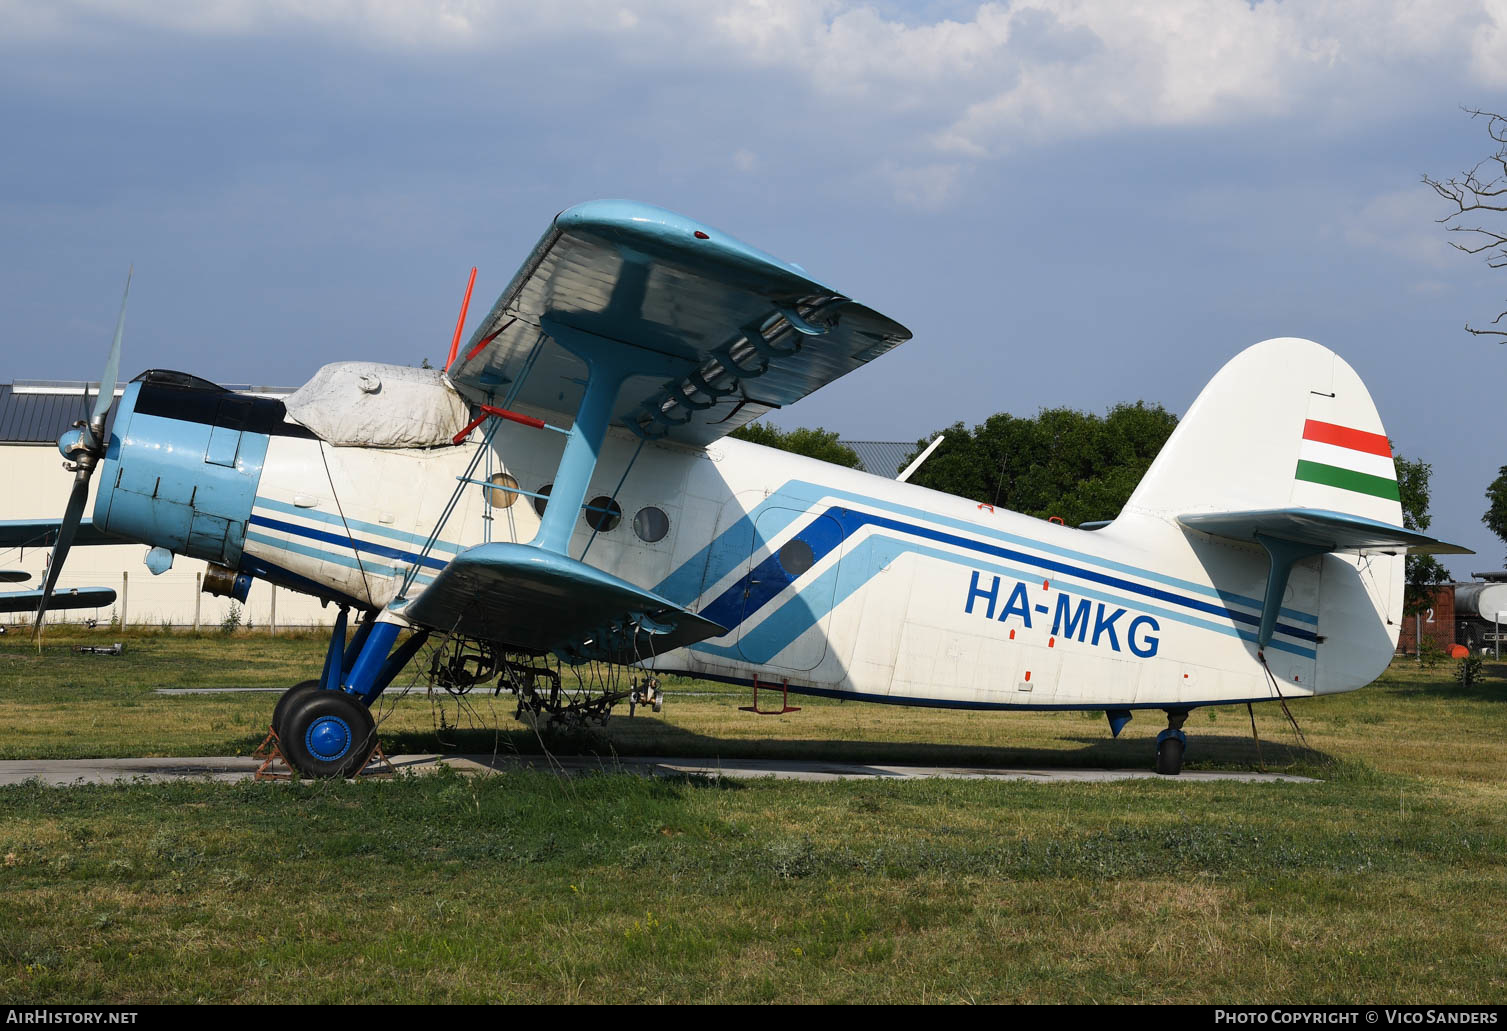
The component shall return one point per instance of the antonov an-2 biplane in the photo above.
(565, 490)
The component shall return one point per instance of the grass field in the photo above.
(1383, 883)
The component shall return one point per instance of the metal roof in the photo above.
(880, 457)
(38, 411)
(40, 418)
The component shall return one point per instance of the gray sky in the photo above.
(1071, 202)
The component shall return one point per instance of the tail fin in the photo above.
(1284, 449)
(1285, 424)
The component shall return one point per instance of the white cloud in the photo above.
(927, 187)
(947, 91)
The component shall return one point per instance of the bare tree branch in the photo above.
(1477, 191)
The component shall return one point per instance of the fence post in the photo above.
(125, 580)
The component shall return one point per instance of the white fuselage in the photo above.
(854, 584)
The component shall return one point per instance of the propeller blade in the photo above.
(66, 531)
(106, 396)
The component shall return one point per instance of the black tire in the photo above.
(1169, 756)
(329, 734)
(286, 700)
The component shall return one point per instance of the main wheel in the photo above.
(327, 734)
(287, 698)
(1169, 755)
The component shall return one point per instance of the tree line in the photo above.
(1082, 467)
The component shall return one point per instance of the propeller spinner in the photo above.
(83, 446)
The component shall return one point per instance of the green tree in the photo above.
(818, 443)
(1075, 465)
(1424, 572)
(1496, 516)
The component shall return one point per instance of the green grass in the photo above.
(1379, 884)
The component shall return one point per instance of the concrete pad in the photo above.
(108, 771)
(62, 772)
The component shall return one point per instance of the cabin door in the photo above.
(789, 589)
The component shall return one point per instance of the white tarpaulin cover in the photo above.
(364, 403)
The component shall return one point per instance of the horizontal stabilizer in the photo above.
(527, 599)
(1320, 529)
(71, 598)
(14, 576)
(41, 533)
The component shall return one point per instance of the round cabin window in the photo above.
(506, 491)
(603, 513)
(651, 524)
(540, 504)
(796, 556)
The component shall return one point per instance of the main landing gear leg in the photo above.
(324, 727)
(1170, 744)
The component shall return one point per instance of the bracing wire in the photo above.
(1282, 700)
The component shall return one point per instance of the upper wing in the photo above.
(744, 332)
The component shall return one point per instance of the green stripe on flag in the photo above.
(1348, 479)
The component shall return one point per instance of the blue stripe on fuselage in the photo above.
(795, 616)
(710, 564)
(354, 543)
(331, 518)
(756, 589)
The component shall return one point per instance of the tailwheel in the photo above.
(285, 701)
(327, 734)
(1170, 744)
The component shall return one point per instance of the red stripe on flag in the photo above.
(1344, 436)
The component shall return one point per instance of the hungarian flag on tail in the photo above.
(1349, 459)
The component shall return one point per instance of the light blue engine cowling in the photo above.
(182, 465)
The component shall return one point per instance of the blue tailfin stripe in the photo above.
(355, 544)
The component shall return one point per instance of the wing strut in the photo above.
(1281, 556)
(610, 364)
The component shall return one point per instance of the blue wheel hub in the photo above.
(328, 738)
